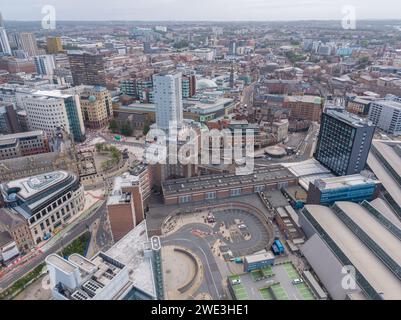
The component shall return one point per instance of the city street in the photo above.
(76, 230)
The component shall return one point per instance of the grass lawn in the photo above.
(77, 246)
(257, 275)
(240, 292)
(266, 294)
(305, 291)
(267, 272)
(291, 271)
(279, 292)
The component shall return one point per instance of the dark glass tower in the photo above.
(344, 142)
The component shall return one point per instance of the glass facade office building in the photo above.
(344, 142)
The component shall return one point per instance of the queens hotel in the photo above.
(45, 201)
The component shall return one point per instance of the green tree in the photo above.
(146, 128)
(126, 129)
(113, 126)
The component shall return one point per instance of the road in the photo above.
(306, 149)
(79, 228)
(184, 237)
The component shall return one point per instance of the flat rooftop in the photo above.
(259, 257)
(343, 182)
(30, 186)
(388, 103)
(260, 175)
(350, 118)
(126, 180)
(130, 251)
(365, 260)
(12, 138)
(305, 99)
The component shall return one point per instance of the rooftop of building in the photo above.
(5, 238)
(31, 185)
(343, 182)
(130, 251)
(387, 150)
(117, 196)
(350, 118)
(101, 269)
(215, 181)
(9, 219)
(388, 103)
(12, 138)
(30, 192)
(361, 256)
(259, 256)
(305, 99)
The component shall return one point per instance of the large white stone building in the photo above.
(46, 201)
(50, 110)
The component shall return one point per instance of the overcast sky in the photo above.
(218, 10)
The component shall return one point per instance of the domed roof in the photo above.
(92, 98)
(205, 84)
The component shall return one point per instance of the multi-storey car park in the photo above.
(46, 201)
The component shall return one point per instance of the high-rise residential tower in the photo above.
(28, 43)
(168, 99)
(4, 44)
(87, 68)
(344, 142)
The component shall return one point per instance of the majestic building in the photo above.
(45, 64)
(54, 45)
(52, 110)
(344, 142)
(168, 100)
(386, 115)
(47, 201)
(87, 68)
(23, 144)
(96, 105)
(125, 205)
(18, 229)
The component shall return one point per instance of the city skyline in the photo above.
(180, 10)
